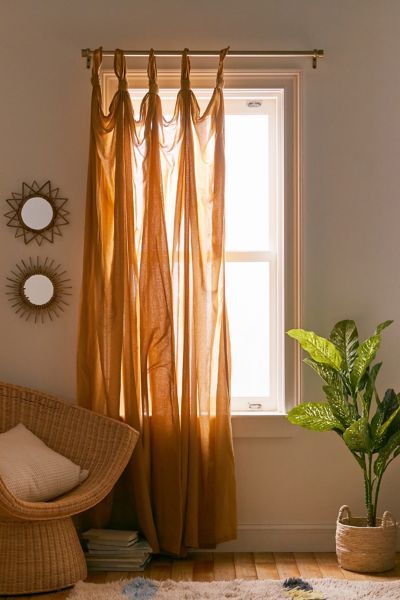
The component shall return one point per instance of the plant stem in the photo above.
(371, 483)
(378, 485)
(354, 398)
(368, 492)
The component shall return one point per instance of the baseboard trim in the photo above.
(283, 537)
(286, 527)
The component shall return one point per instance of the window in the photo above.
(254, 213)
(262, 215)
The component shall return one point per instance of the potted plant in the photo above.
(368, 425)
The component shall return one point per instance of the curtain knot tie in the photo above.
(220, 73)
(123, 85)
(185, 83)
(153, 88)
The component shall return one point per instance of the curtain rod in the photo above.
(314, 54)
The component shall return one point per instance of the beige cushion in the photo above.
(31, 470)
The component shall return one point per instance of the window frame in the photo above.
(290, 81)
(273, 99)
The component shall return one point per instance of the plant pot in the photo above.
(365, 549)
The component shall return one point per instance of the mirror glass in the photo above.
(38, 289)
(37, 213)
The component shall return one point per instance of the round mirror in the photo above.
(38, 289)
(37, 213)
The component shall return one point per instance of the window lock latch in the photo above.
(255, 405)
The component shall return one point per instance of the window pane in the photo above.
(247, 292)
(246, 192)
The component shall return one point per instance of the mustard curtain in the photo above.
(153, 338)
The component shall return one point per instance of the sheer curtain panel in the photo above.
(153, 340)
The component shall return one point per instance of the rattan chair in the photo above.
(39, 546)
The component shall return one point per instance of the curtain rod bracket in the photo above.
(315, 58)
(87, 53)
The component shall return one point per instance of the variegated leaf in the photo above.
(329, 375)
(341, 408)
(383, 429)
(383, 326)
(370, 387)
(366, 353)
(320, 349)
(392, 445)
(345, 337)
(357, 436)
(317, 416)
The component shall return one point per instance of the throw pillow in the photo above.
(31, 470)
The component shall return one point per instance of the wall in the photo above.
(289, 488)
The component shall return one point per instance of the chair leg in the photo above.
(39, 556)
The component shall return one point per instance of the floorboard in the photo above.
(223, 566)
(327, 562)
(286, 565)
(203, 566)
(160, 569)
(244, 565)
(182, 570)
(265, 565)
(307, 564)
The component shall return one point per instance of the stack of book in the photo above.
(111, 550)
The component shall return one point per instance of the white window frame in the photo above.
(289, 81)
(273, 105)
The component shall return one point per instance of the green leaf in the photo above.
(389, 404)
(370, 387)
(326, 373)
(382, 326)
(317, 416)
(380, 434)
(366, 353)
(392, 445)
(320, 349)
(345, 337)
(364, 380)
(386, 408)
(357, 436)
(395, 424)
(341, 409)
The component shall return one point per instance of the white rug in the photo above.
(328, 589)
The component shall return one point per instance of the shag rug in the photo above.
(296, 589)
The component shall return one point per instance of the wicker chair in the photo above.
(39, 546)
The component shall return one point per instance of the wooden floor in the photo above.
(211, 566)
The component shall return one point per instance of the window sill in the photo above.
(257, 413)
(266, 425)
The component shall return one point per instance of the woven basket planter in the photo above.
(365, 549)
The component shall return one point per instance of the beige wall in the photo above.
(289, 487)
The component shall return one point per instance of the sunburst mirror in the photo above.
(38, 289)
(37, 213)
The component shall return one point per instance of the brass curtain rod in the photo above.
(314, 54)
